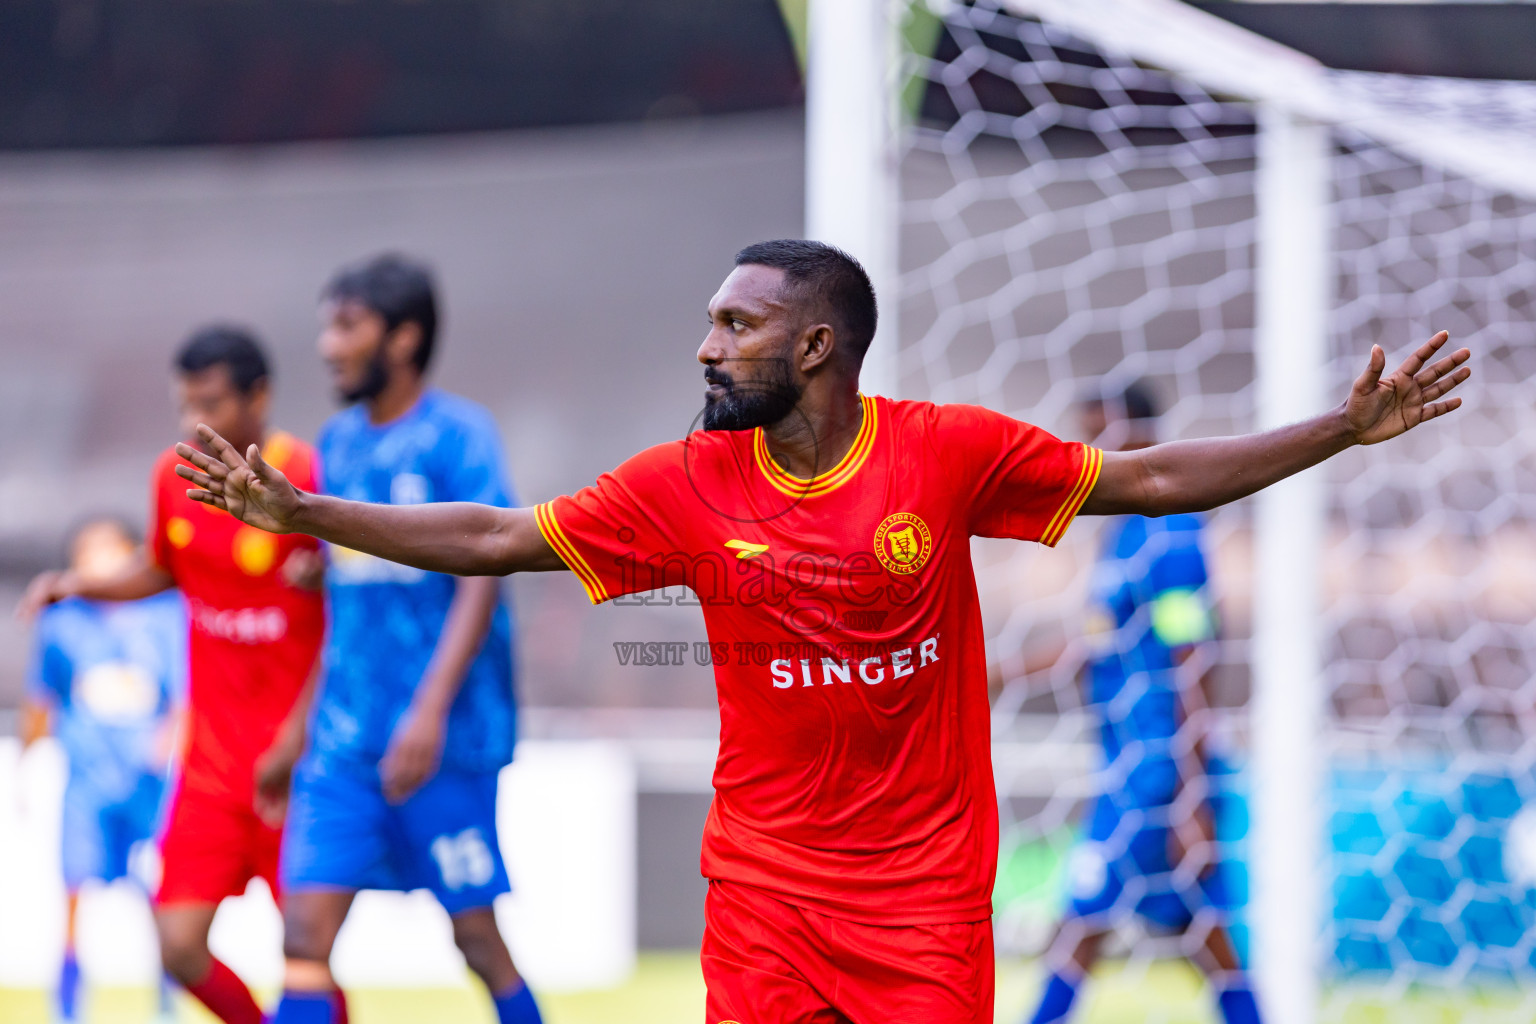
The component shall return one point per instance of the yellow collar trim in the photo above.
(821, 483)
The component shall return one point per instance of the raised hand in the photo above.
(414, 753)
(1380, 407)
(274, 779)
(247, 488)
(304, 569)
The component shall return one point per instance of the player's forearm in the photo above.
(1194, 476)
(293, 732)
(141, 579)
(36, 721)
(461, 538)
(463, 634)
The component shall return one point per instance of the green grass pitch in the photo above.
(667, 989)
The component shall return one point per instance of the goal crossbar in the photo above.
(1227, 58)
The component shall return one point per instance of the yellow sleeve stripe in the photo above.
(1087, 477)
(549, 526)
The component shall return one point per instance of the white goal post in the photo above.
(850, 141)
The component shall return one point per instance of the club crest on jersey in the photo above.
(903, 543)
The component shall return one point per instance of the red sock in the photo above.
(226, 995)
(341, 1007)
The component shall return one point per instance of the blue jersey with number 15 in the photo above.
(386, 618)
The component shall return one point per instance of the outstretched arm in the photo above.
(1192, 476)
(274, 768)
(141, 578)
(452, 537)
(416, 746)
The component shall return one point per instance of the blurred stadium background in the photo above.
(1071, 205)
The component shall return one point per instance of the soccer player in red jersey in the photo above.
(852, 843)
(256, 626)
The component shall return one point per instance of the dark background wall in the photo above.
(113, 73)
(1456, 40)
(95, 73)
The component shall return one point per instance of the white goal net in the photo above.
(1073, 220)
(1430, 605)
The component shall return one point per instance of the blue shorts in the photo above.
(99, 834)
(342, 834)
(1123, 867)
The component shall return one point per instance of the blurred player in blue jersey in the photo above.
(1149, 848)
(106, 678)
(415, 716)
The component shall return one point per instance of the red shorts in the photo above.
(769, 962)
(212, 846)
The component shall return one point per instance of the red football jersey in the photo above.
(254, 638)
(855, 772)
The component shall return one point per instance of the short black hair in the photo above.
(397, 288)
(829, 277)
(1133, 401)
(234, 348)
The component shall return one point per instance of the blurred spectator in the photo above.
(105, 679)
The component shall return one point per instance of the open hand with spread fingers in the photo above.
(247, 488)
(1381, 407)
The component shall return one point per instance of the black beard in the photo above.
(375, 380)
(749, 404)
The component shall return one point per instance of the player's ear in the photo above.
(259, 398)
(818, 343)
(403, 342)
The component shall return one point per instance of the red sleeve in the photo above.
(1025, 483)
(304, 474)
(620, 536)
(292, 458)
(300, 463)
(159, 545)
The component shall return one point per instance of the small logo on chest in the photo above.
(903, 543)
(746, 549)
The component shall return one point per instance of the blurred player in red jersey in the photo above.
(852, 843)
(257, 620)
